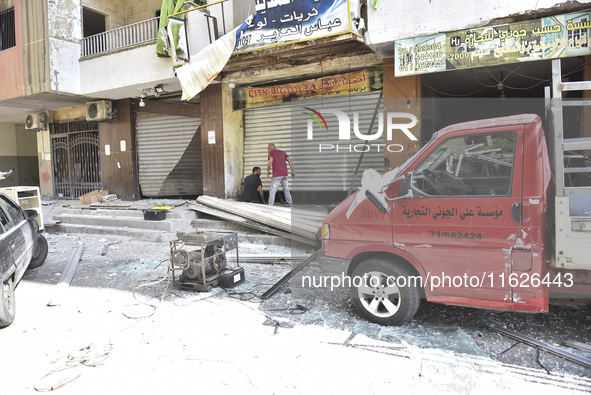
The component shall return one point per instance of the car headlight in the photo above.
(325, 231)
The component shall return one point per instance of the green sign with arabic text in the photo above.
(545, 38)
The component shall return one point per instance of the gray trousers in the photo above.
(275, 181)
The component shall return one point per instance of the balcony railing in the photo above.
(120, 38)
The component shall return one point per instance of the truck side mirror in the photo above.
(379, 202)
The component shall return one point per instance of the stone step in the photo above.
(137, 234)
(131, 223)
(167, 225)
(164, 237)
(205, 223)
(132, 213)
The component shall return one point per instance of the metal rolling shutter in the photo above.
(169, 155)
(286, 127)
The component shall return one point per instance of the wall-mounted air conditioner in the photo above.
(99, 110)
(36, 121)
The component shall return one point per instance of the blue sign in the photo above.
(279, 22)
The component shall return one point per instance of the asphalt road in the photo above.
(102, 337)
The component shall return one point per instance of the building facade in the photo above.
(86, 102)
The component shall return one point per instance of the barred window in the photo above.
(7, 29)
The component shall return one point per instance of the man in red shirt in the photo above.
(277, 159)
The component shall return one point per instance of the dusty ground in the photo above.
(129, 264)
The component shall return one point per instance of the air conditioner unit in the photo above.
(36, 121)
(99, 110)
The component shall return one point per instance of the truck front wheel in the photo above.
(384, 292)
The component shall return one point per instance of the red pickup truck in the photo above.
(473, 219)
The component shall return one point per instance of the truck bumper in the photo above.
(333, 266)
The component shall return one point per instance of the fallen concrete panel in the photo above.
(237, 219)
(296, 222)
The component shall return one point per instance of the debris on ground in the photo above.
(298, 224)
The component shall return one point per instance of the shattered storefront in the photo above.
(318, 112)
(287, 67)
(321, 123)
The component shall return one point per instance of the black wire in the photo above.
(510, 348)
(540, 362)
(246, 296)
(299, 309)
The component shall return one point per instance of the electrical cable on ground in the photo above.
(81, 357)
(86, 356)
(154, 306)
(245, 296)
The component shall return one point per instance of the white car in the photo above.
(22, 247)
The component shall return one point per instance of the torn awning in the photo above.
(207, 64)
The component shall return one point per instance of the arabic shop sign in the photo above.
(551, 37)
(279, 22)
(343, 84)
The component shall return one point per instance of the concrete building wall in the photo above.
(125, 69)
(140, 10)
(8, 153)
(44, 162)
(18, 151)
(11, 63)
(395, 20)
(65, 33)
(233, 145)
(27, 164)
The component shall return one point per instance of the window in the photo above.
(3, 221)
(93, 22)
(15, 215)
(480, 164)
(7, 29)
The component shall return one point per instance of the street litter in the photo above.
(541, 345)
(109, 198)
(289, 275)
(67, 275)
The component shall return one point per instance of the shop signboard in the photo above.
(360, 81)
(544, 38)
(279, 22)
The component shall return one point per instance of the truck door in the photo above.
(460, 227)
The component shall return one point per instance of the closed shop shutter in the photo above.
(169, 155)
(286, 127)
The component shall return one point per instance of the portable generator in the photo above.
(198, 261)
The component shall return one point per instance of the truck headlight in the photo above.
(325, 231)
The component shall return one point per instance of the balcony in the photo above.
(121, 38)
(120, 63)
